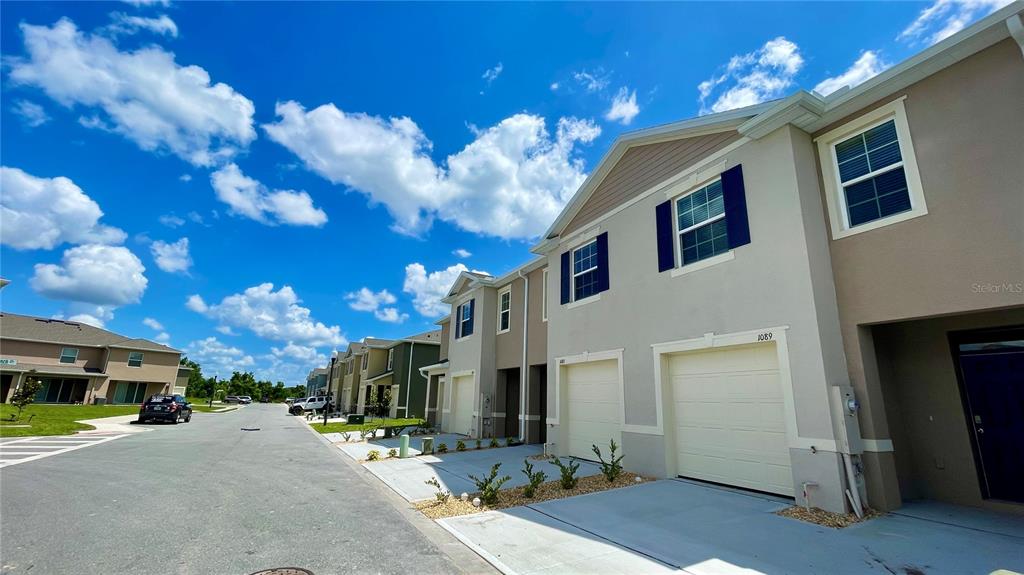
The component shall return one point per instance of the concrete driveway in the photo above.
(675, 525)
(407, 476)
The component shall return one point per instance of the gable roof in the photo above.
(433, 336)
(48, 330)
(806, 110)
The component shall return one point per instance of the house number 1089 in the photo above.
(766, 336)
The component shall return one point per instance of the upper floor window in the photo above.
(464, 319)
(585, 270)
(366, 359)
(700, 224)
(68, 355)
(135, 359)
(348, 365)
(504, 310)
(391, 358)
(870, 172)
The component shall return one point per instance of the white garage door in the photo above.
(461, 415)
(729, 417)
(594, 407)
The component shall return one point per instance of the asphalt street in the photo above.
(206, 497)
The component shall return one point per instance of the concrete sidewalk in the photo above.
(116, 424)
(706, 530)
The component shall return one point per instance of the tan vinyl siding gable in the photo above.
(642, 168)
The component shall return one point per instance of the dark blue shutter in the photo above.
(735, 207)
(458, 321)
(602, 262)
(566, 277)
(664, 233)
(472, 316)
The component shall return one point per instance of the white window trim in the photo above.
(458, 321)
(544, 297)
(677, 249)
(141, 359)
(584, 301)
(391, 358)
(834, 196)
(502, 292)
(365, 363)
(61, 356)
(572, 270)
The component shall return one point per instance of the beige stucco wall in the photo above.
(537, 336)
(446, 334)
(49, 353)
(159, 367)
(509, 345)
(476, 354)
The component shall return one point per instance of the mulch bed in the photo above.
(826, 518)
(513, 496)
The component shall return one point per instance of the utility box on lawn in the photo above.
(356, 419)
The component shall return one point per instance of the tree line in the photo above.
(240, 383)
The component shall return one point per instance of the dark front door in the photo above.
(991, 368)
(511, 403)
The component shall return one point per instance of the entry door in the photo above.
(512, 403)
(463, 390)
(992, 374)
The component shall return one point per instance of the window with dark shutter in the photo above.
(585, 270)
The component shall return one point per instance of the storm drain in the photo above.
(284, 571)
(252, 429)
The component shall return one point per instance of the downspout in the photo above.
(524, 386)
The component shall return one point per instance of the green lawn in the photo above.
(57, 419)
(379, 423)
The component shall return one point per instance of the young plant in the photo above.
(346, 436)
(509, 441)
(392, 453)
(460, 445)
(478, 444)
(534, 478)
(494, 443)
(568, 480)
(490, 485)
(442, 495)
(373, 455)
(367, 431)
(612, 468)
(442, 448)
(26, 394)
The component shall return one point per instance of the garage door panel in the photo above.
(730, 417)
(594, 409)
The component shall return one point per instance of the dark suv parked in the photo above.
(172, 408)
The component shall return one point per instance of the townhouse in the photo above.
(374, 366)
(79, 363)
(406, 357)
(817, 297)
(317, 381)
(494, 380)
(350, 369)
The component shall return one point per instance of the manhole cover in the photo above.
(252, 429)
(284, 571)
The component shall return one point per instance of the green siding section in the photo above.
(423, 355)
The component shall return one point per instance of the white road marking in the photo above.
(11, 454)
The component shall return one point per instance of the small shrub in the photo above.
(367, 431)
(442, 448)
(373, 455)
(494, 443)
(534, 478)
(490, 485)
(460, 445)
(509, 441)
(612, 468)
(26, 394)
(346, 436)
(568, 479)
(442, 495)
(478, 444)
(392, 453)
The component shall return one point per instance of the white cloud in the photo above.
(867, 66)
(195, 217)
(594, 81)
(624, 107)
(32, 114)
(172, 258)
(143, 95)
(88, 320)
(93, 273)
(153, 324)
(171, 221)
(947, 17)
(122, 23)
(367, 300)
(302, 353)
(461, 253)
(554, 86)
(144, 3)
(752, 78)
(185, 177)
(94, 315)
(273, 315)
(510, 182)
(428, 289)
(249, 198)
(42, 213)
(491, 74)
(163, 337)
(224, 329)
(218, 358)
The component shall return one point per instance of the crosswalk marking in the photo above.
(12, 452)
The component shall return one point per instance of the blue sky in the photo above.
(258, 184)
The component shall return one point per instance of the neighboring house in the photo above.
(374, 373)
(712, 276)
(496, 374)
(316, 381)
(437, 375)
(79, 363)
(181, 382)
(408, 385)
(351, 364)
